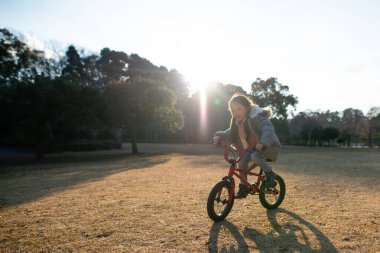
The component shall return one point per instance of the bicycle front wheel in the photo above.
(272, 197)
(220, 201)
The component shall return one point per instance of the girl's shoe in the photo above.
(270, 180)
(242, 192)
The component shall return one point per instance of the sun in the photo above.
(198, 80)
(199, 74)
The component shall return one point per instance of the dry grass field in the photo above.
(110, 201)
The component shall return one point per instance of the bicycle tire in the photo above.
(265, 194)
(219, 215)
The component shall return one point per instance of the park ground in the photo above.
(111, 201)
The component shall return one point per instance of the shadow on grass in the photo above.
(25, 183)
(226, 227)
(294, 235)
(64, 158)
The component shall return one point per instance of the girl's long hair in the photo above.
(246, 102)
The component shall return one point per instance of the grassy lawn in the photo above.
(110, 201)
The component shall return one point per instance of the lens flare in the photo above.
(203, 112)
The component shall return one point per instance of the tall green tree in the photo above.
(59, 107)
(20, 68)
(112, 66)
(139, 102)
(272, 93)
(18, 62)
(76, 69)
(174, 80)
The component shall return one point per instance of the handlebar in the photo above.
(229, 149)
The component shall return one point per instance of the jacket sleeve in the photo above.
(224, 135)
(268, 135)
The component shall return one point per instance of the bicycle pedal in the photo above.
(272, 191)
(255, 187)
(274, 184)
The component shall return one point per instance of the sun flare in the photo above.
(203, 111)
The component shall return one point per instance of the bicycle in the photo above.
(222, 196)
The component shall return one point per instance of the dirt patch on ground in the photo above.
(111, 201)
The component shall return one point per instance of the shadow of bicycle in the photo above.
(291, 233)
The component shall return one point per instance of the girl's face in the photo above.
(239, 112)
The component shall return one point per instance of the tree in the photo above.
(75, 69)
(42, 114)
(20, 67)
(311, 133)
(138, 66)
(57, 109)
(305, 125)
(282, 129)
(370, 124)
(140, 102)
(328, 118)
(329, 134)
(272, 93)
(18, 62)
(175, 81)
(350, 122)
(113, 66)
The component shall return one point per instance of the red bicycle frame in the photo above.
(236, 172)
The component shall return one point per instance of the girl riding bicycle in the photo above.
(251, 128)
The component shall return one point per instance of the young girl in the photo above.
(250, 127)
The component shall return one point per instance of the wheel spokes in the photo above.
(221, 201)
(272, 194)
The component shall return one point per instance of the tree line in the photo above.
(97, 101)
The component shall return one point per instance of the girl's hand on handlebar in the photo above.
(216, 140)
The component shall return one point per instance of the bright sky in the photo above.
(327, 51)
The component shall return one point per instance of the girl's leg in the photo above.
(243, 165)
(261, 160)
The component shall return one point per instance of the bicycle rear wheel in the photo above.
(272, 197)
(219, 203)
